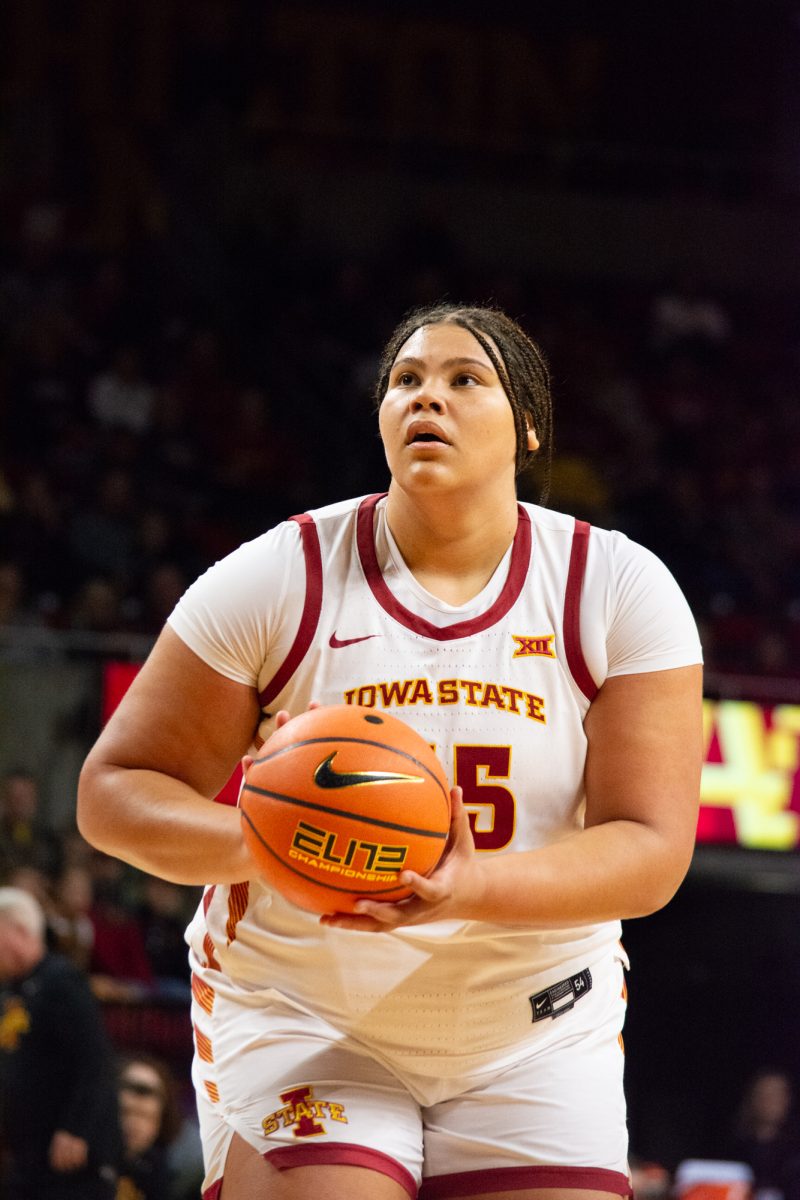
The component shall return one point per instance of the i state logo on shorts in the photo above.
(302, 1110)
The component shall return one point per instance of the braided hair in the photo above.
(520, 365)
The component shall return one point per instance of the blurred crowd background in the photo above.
(187, 357)
(211, 217)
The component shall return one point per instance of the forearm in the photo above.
(616, 870)
(161, 826)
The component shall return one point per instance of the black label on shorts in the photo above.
(561, 997)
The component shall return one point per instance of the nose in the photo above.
(425, 400)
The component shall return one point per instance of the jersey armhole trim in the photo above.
(311, 609)
(572, 611)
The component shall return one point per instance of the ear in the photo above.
(533, 441)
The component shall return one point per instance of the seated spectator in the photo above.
(649, 1180)
(16, 610)
(96, 606)
(152, 1128)
(685, 318)
(24, 838)
(121, 396)
(69, 921)
(32, 533)
(163, 917)
(30, 880)
(161, 589)
(119, 965)
(103, 888)
(100, 531)
(766, 1133)
(60, 1129)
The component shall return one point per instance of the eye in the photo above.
(405, 379)
(464, 379)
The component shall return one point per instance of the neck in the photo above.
(452, 550)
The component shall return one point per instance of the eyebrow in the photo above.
(410, 360)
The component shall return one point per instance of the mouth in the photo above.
(425, 433)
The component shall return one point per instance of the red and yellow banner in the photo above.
(750, 789)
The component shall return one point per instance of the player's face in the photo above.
(445, 419)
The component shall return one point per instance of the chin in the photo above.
(426, 476)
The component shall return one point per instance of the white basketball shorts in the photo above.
(300, 1091)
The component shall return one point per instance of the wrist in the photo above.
(473, 902)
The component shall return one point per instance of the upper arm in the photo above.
(181, 718)
(645, 754)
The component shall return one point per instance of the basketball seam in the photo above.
(342, 812)
(357, 741)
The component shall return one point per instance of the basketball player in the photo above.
(465, 1042)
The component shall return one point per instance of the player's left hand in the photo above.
(437, 897)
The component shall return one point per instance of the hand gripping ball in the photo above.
(339, 802)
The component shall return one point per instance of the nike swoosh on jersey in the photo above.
(337, 643)
(326, 777)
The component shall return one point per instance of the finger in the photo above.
(247, 763)
(284, 716)
(381, 911)
(459, 817)
(459, 839)
(460, 827)
(426, 887)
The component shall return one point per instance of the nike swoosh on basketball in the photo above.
(326, 777)
(337, 643)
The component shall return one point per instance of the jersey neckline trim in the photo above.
(517, 572)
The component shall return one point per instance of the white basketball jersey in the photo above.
(501, 693)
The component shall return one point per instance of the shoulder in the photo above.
(611, 553)
(650, 624)
(250, 602)
(634, 616)
(629, 564)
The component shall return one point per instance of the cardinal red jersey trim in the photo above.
(311, 610)
(513, 1179)
(517, 571)
(572, 611)
(343, 1154)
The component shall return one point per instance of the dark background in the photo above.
(247, 196)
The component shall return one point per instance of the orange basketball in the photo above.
(341, 800)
